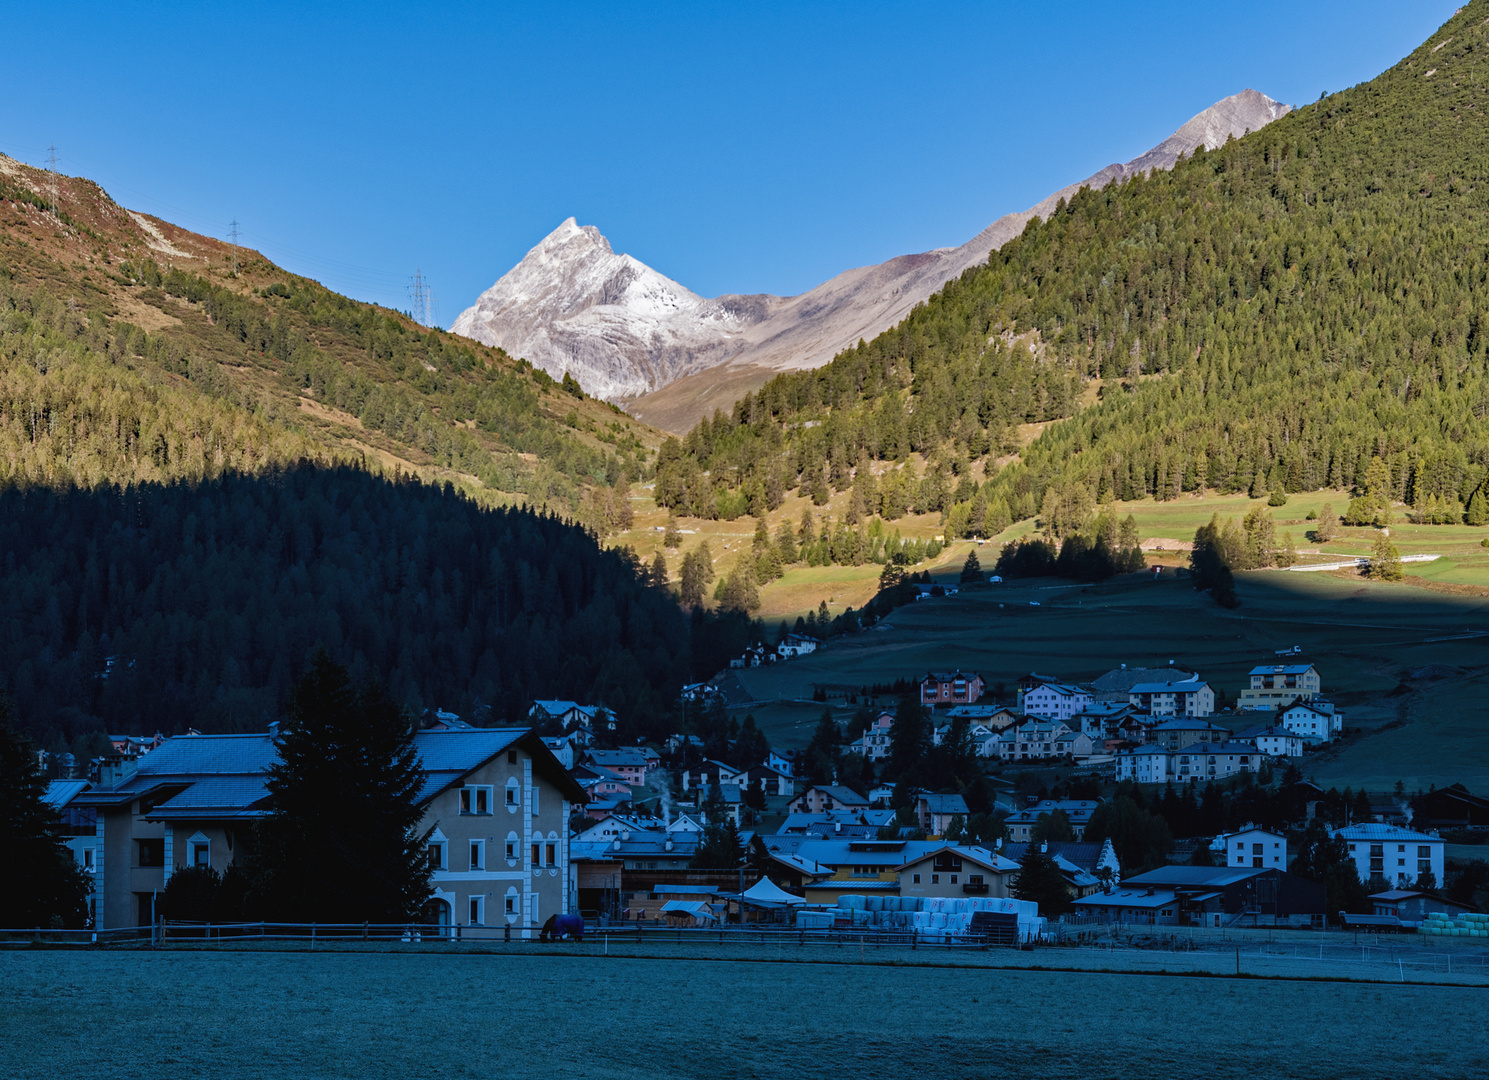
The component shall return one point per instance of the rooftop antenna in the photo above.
(232, 232)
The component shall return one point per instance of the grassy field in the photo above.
(299, 1015)
(1370, 642)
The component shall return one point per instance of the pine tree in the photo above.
(659, 575)
(1288, 556)
(825, 750)
(1039, 879)
(1328, 525)
(1385, 559)
(43, 885)
(971, 569)
(341, 843)
(909, 737)
(1478, 508)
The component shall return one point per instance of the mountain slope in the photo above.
(621, 328)
(624, 330)
(1270, 315)
(135, 350)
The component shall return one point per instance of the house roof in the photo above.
(1171, 686)
(625, 758)
(943, 804)
(1229, 747)
(950, 676)
(1119, 680)
(1280, 669)
(449, 756)
(1069, 689)
(1186, 723)
(846, 796)
(1085, 855)
(1130, 898)
(984, 857)
(61, 792)
(1375, 831)
(1207, 877)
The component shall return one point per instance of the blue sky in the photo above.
(734, 147)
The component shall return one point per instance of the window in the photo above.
(917, 879)
(552, 854)
(201, 854)
(537, 855)
(511, 757)
(953, 879)
(478, 854)
(437, 855)
(514, 794)
(477, 910)
(511, 851)
(87, 858)
(1240, 846)
(1400, 862)
(1424, 851)
(1256, 849)
(475, 800)
(935, 879)
(150, 852)
(511, 903)
(1400, 847)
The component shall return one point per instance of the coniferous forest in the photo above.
(168, 606)
(1272, 315)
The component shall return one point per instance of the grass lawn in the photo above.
(1367, 640)
(294, 1015)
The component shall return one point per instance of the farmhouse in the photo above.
(630, 765)
(709, 773)
(1393, 854)
(1271, 685)
(794, 645)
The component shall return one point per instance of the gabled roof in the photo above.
(624, 758)
(943, 804)
(1208, 877)
(1128, 898)
(449, 756)
(1186, 723)
(984, 857)
(1118, 680)
(1375, 831)
(1228, 747)
(844, 795)
(1280, 669)
(1170, 687)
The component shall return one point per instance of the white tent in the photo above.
(766, 891)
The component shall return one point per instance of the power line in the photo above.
(421, 298)
(232, 231)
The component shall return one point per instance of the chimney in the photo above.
(115, 769)
(274, 730)
(1044, 846)
(837, 826)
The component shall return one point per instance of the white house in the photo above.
(1147, 764)
(1316, 721)
(874, 742)
(709, 773)
(1189, 697)
(1079, 811)
(1214, 761)
(1055, 701)
(1252, 847)
(1271, 685)
(1273, 741)
(794, 645)
(1398, 855)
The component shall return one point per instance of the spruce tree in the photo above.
(342, 842)
(1385, 560)
(659, 574)
(971, 569)
(1039, 879)
(43, 885)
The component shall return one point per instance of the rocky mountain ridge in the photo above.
(625, 331)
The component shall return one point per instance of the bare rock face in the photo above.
(613, 322)
(625, 331)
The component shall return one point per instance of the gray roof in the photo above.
(1207, 877)
(1384, 832)
(1280, 669)
(1115, 684)
(1186, 723)
(1168, 686)
(944, 804)
(61, 792)
(844, 795)
(1129, 898)
(1082, 854)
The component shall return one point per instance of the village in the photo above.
(527, 823)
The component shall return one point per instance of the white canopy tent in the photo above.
(766, 891)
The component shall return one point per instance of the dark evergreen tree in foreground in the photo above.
(1039, 879)
(1327, 860)
(43, 885)
(341, 844)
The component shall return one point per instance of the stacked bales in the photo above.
(1469, 924)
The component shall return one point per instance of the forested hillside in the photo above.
(167, 606)
(1269, 316)
(130, 350)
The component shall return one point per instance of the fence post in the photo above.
(364, 931)
(507, 933)
(914, 936)
(312, 937)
